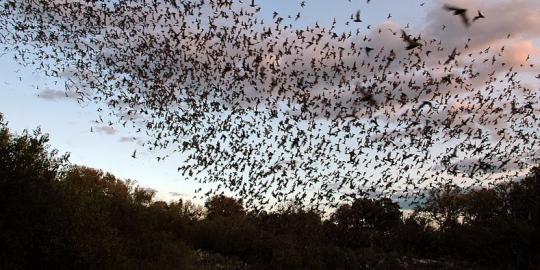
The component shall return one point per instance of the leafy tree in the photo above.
(57, 216)
(31, 223)
(445, 206)
(353, 225)
(222, 206)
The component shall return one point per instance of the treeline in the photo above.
(57, 216)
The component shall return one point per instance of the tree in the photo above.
(445, 206)
(222, 206)
(353, 224)
(32, 222)
(59, 216)
(482, 207)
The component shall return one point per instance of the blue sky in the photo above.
(70, 123)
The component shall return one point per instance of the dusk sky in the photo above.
(29, 99)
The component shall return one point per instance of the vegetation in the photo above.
(60, 216)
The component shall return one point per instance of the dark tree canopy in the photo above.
(222, 206)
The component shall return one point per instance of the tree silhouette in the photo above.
(355, 224)
(222, 206)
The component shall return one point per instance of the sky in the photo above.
(29, 99)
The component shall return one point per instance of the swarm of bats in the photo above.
(274, 112)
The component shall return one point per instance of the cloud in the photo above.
(106, 130)
(519, 18)
(55, 95)
(137, 140)
(128, 139)
(177, 194)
